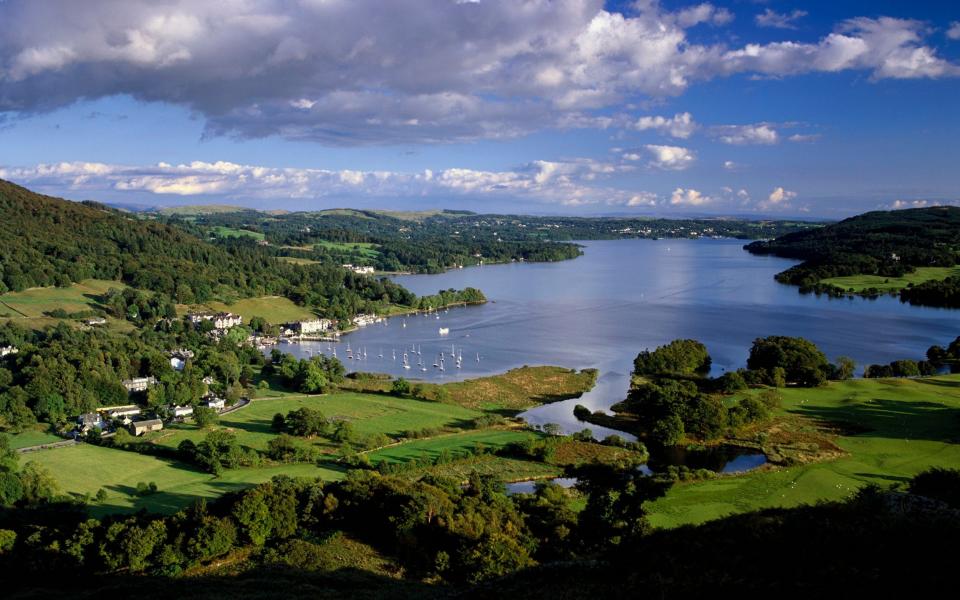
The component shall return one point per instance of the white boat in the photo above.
(444, 330)
(406, 364)
(478, 357)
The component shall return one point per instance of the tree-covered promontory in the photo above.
(882, 243)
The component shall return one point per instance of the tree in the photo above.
(282, 448)
(38, 483)
(307, 422)
(279, 423)
(679, 357)
(205, 417)
(803, 363)
(401, 387)
(845, 368)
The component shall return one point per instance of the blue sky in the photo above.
(813, 109)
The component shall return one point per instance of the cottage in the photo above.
(142, 427)
(182, 411)
(89, 421)
(181, 353)
(96, 321)
(139, 384)
(5, 350)
(215, 403)
(223, 320)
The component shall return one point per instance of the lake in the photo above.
(620, 297)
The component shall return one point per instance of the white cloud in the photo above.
(574, 182)
(804, 137)
(373, 72)
(954, 32)
(688, 197)
(704, 13)
(779, 199)
(671, 158)
(771, 18)
(760, 133)
(681, 125)
(730, 165)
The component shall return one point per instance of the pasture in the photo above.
(275, 309)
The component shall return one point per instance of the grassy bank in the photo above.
(859, 283)
(887, 429)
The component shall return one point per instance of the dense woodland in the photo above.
(885, 243)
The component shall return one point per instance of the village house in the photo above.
(96, 321)
(142, 427)
(177, 363)
(215, 403)
(182, 411)
(5, 350)
(89, 421)
(138, 384)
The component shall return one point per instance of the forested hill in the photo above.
(51, 241)
(882, 243)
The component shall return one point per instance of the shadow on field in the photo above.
(161, 501)
(885, 418)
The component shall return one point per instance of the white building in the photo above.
(88, 421)
(363, 320)
(177, 363)
(312, 326)
(359, 269)
(5, 350)
(139, 384)
(224, 320)
(96, 321)
(215, 403)
(182, 411)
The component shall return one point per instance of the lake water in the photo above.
(620, 297)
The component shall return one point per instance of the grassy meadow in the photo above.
(30, 307)
(887, 429)
(858, 283)
(230, 232)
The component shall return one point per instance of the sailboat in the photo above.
(406, 364)
(418, 350)
(478, 357)
(381, 353)
(394, 355)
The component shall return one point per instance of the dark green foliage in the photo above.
(400, 387)
(679, 357)
(802, 362)
(204, 416)
(939, 484)
(307, 422)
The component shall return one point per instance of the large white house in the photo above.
(5, 350)
(139, 384)
(223, 320)
(363, 320)
(359, 269)
(311, 326)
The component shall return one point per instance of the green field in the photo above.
(29, 307)
(368, 413)
(908, 425)
(453, 443)
(298, 261)
(365, 249)
(229, 232)
(31, 438)
(858, 283)
(84, 469)
(275, 309)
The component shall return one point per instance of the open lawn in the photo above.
(365, 249)
(452, 443)
(84, 469)
(275, 309)
(30, 308)
(228, 232)
(890, 430)
(31, 438)
(368, 413)
(858, 283)
(298, 261)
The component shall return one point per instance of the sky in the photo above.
(771, 108)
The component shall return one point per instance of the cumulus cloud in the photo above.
(739, 135)
(681, 125)
(730, 165)
(954, 32)
(779, 199)
(575, 182)
(771, 18)
(372, 72)
(804, 137)
(671, 158)
(688, 197)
